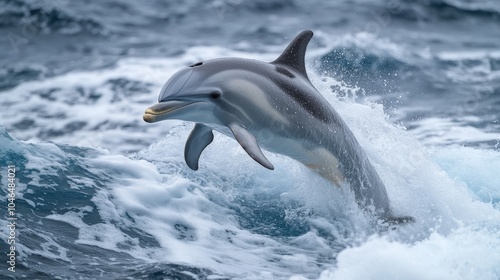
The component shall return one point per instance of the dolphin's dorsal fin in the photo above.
(249, 144)
(293, 55)
(198, 140)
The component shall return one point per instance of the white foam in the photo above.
(478, 169)
(434, 131)
(467, 253)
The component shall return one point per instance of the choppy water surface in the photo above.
(101, 194)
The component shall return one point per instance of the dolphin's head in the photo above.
(188, 95)
(214, 92)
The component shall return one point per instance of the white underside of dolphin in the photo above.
(273, 106)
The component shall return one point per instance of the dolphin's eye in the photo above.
(215, 95)
(196, 64)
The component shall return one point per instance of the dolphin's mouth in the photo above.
(160, 111)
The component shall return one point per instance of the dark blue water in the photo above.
(101, 194)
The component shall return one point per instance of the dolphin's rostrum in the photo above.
(273, 106)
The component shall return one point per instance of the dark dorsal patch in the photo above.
(312, 105)
(196, 64)
(293, 55)
(285, 72)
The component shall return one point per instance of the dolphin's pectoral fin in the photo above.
(198, 140)
(250, 145)
(293, 55)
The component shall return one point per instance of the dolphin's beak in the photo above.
(160, 111)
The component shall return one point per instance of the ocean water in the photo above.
(102, 194)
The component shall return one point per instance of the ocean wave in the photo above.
(101, 194)
(376, 65)
(80, 203)
(89, 107)
(46, 16)
(13, 76)
(463, 85)
(467, 253)
(268, 6)
(465, 94)
(431, 10)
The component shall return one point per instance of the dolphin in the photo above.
(272, 106)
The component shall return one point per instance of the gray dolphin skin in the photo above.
(272, 106)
